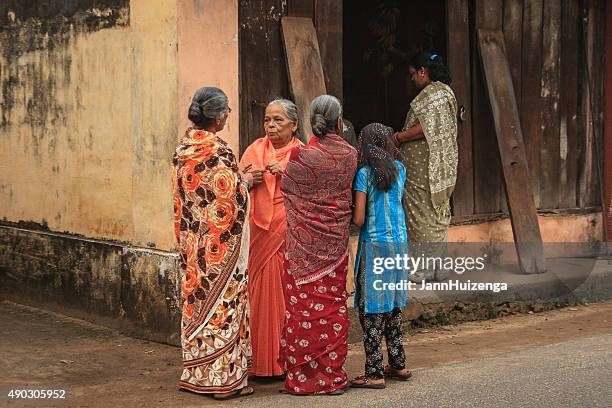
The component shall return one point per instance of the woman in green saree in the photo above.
(428, 142)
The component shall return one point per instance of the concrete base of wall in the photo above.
(135, 290)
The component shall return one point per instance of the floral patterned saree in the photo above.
(211, 206)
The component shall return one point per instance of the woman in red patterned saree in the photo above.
(316, 186)
(211, 207)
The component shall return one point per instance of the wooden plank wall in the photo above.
(457, 17)
(551, 81)
(568, 124)
(306, 79)
(545, 43)
(263, 75)
(545, 49)
(590, 99)
(607, 167)
(513, 36)
(523, 213)
(263, 71)
(328, 22)
(531, 84)
(488, 181)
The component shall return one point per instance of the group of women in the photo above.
(263, 242)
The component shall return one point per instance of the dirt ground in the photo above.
(101, 368)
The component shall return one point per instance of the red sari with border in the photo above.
(316, 186)
(211, 204)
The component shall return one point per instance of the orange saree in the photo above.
(268, 225)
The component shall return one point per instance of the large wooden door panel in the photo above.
(458, 46)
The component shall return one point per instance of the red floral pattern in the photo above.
(314, 341)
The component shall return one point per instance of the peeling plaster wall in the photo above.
(88, 122)
(153, 119)
(89, 119)
(208, 56)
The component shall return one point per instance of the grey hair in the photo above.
(324, 113)
(290, 109)
(208, 103)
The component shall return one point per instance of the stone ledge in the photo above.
(135, 290)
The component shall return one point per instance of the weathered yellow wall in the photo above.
(88, 137)
(208, 56)
(154, 100)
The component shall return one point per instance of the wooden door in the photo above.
(263, 71)
(263, 75)
(458, 46)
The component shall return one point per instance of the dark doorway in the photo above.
(375, 80)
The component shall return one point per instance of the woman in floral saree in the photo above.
(316, 186)
(211, 208)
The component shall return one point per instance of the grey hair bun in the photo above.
(319, 125)
(208, 103)
(324, 113)
(195, 113)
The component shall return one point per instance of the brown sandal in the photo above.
(242, 392)
(364, 382)
(396, 374)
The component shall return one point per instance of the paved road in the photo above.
(571, 374)
(560, 358)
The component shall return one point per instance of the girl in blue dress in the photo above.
(379, 189)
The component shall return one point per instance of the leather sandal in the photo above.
(364, 382)
(242, 392)
(396, 374)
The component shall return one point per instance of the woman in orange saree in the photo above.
(268, 224)
(211, 205)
